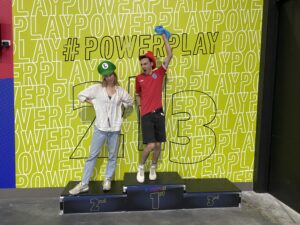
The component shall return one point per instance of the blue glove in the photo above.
(162, 30)
(159, 29)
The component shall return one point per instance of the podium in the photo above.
(208, 193)
(163, 193)
(169, 191)
(95, 200)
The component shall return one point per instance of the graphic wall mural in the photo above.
(210, 94)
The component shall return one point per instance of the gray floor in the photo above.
(255, 209)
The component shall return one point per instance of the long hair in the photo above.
(116, 83)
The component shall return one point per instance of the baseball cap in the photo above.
(150, 56)
(106, 68)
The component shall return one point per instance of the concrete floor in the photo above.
(262, 209)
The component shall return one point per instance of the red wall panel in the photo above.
(6, 53)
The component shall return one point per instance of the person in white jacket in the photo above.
(108, 98)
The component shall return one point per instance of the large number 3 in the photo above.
(193, 112)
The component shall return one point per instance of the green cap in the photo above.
(106, 68)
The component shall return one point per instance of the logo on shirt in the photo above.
(154, 76)
(141, 80)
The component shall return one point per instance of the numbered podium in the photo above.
(95, 200)
(164, 193)
(169, 191)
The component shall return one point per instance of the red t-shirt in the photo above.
(149, 87)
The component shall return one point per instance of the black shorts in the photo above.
(153, 127)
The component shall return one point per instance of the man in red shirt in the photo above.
(148, 87)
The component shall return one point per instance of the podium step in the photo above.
(170, 179)
(95, 200)
(169, 191)
(163, 193)
(209, 193)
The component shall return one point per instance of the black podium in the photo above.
(169, 191)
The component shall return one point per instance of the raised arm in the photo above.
(169, 51)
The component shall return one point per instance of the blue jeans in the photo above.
(99, 138)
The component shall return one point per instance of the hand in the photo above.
(89, 100)
(162, 30)
(159, 29)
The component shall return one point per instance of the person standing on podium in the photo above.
(148, 88)
(107, 98)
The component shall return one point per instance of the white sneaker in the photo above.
(79, 188)
(106, 184)
(152, 173)
(140, 176)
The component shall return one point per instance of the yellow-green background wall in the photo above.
(210, 92)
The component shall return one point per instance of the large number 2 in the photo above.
(88, 115)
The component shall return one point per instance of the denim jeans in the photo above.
(98, 139)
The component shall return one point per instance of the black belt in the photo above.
(159, 110)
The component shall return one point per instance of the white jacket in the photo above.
(108, 111)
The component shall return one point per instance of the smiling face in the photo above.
(110, 80)
(146, 65)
